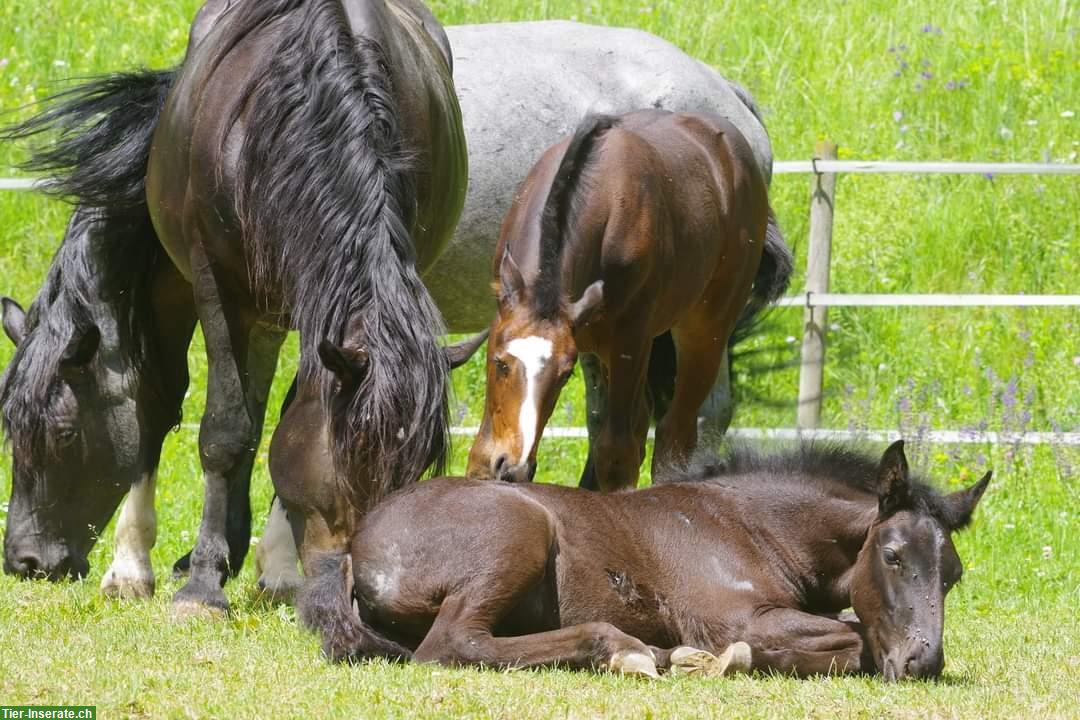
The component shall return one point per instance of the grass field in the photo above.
(918, 80)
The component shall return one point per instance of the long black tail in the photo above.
(770, 283)
(326, 198)
(103, 130)
(325, 605)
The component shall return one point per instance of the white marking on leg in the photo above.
(533, 352)
(131, 575)
(276, 556)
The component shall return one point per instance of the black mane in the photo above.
(103, 130)
(558, 210)
(821, 462)
(326, 201)
(104, 259)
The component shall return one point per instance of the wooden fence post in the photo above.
(822, 198)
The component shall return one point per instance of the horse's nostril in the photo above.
(499, 464)
(26, 566)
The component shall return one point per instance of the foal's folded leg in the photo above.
(792, 641)
(462, 635)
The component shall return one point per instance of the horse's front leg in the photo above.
(242, 357)
(131, 575)
(792, 641)
(276, 557)
(620, 444)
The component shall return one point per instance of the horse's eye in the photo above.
(890, 556)
(501, 367)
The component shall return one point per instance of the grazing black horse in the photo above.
(308, 162)
(99, 371)
(762, 550)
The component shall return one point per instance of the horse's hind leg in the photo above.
(514, 578)
(592, 373)
(700, 347)
(462, 635)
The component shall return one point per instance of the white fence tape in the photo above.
(929, 300)
(921, 168)
(946, 437)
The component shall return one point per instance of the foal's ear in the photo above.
(14, 320)
(893, 480)
(961, 504)
(82, 345)
(586, 306)
(513, 284)
(349, 365)
(459, 353)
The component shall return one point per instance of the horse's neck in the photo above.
(817, 529)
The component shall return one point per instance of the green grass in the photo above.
(819, 71)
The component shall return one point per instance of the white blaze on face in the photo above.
(533, 352)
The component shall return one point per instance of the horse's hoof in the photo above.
(185, 610)
(127, 587)
(192, 601)
(691, 661)
(633, 662)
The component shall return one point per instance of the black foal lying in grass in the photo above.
(762, 551)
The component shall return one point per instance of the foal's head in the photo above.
(907, 566)
(531, 355)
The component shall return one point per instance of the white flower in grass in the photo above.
(1068, 114)
(1048, 552)
(59, 63)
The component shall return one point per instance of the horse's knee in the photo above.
(616, 462)
(225, 440)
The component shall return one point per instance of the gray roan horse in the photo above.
(762, 550)
(109, 428)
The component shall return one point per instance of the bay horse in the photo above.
(99, 161)
(465, 572)
(638, 225)
(308, 163)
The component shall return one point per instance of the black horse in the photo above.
(308, 162)
(99, 371)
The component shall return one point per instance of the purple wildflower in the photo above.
(926, 75)
(897, 115)
(988, 176)
(951, 85)
(927, 28)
